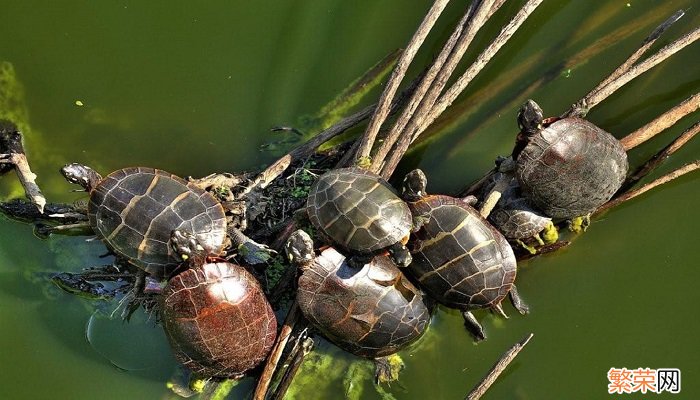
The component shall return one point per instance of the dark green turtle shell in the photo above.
(134, 211)
(371, 312)
(571, 167)
(458, 257)
(358, 210)
(217, 319)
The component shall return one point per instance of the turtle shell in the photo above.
(217, 319)
(134, 211)
(513, 216)
(370, 312)
(358, 210)
(458, 257)
(570, 168)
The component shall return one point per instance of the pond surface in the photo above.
(194, 89)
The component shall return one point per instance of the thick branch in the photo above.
(498, 368)
(661, 123)
(397, 75)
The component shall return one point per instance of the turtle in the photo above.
(459, 259)
(372, 311)
(134, 210)
(516, 219)
(566, 167)
(214, 313)
(360, 213)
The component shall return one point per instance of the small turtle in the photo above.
(566, 167)
(215, 314)
(516, 219)
(360, 213)
(372, 311)
(134, 211)
(458, 257)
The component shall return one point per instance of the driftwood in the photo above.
(12, 156)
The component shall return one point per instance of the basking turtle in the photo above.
(134, 211)
(360, 213)
(372, 311)
(566, 167)
(516, 219)
(458, 257)
(215, 314)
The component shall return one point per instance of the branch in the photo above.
(498, 368)
(397, 76)
(661, 123)
(660, 181)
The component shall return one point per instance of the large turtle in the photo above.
(458, 257)
(360, 213)
(134, 211)
(372, 311)
(215, 313)
(567, 167)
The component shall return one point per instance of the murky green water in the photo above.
(194, 89)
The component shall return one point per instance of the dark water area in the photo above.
(194, 89)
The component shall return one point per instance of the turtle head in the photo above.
(414, 185)
(530, 118)
(300, 248)
(81, 175)
(186, 245)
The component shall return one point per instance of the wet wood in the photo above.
(661, 123)
(12, 156)
(302, 351)
(382, 110)
(498, 369)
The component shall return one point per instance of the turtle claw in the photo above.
(387, 368)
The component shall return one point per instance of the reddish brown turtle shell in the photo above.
(570, 167)
(217, 319)
(458, 257)
(358, 210)
(371, 312)
(134, 210)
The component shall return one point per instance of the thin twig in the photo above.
(305, 348)
(497, 369)
(276, 353)
(397, 76)
(436, 78)
(581, 108)
(661, 123)
(642, 67)
(659, 157)
(456, 89)
(660, 181)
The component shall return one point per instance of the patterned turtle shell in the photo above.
(358, 210)
(571, 167)
(371, 312)
(134, 211)
(217, 319)
(458, 257)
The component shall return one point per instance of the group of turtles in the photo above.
(385, 255)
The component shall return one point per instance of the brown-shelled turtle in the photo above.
(371, 311)
(516, 219)
(360, 213)
(215, 314)
(566, 167)
(458, 257)
(134, 211)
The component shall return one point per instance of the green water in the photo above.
(194, 89)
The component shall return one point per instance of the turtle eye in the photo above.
(184, 257)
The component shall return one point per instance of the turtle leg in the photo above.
(517, 301)
(530, 249)
(470, 200)
(387, 368)
(402, 257)
(473, 326)
(580, 224)
(132, 299)
(253, 253)
(359, 260)
(550, 234)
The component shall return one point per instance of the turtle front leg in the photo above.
(402, 257)
(517, 301)
(473, 326)
(580, 224)
(386, 369)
